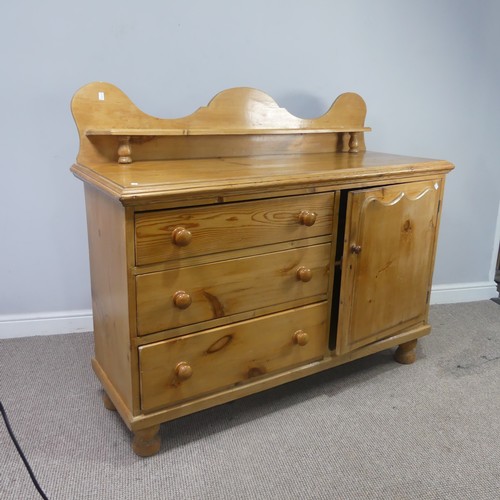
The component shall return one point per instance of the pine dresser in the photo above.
(241, 247)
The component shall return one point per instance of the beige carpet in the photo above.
(372, 429)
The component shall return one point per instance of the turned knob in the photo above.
(304, 274)
(182, 299)
(300, 337)
(181, 236)
(183, 370)
(356, 249)
(307, 218)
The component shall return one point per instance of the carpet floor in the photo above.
(371, 429)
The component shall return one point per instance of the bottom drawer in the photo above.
(186, 367)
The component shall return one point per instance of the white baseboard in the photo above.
(28, 325)
(463, 292)
(53, 323)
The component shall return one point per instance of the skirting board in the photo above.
(463, 292)
(54, 323)
(28, 325)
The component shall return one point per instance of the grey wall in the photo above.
(428, 70)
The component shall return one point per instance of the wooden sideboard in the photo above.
(241, 247)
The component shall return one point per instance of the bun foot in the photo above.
(108, 404)
(406, 353)
(147, 442)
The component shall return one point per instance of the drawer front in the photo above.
(172, 234)
(169, 299)
(186, 367)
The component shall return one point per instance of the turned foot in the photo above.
(147, 442)
(406, 353)
(108, 404)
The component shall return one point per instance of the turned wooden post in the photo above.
(346, 139)
(147, 442)
(353, 143)
(406, 353)
(124, 150)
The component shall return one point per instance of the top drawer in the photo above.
(172, 234)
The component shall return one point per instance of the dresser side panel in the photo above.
(106, 222)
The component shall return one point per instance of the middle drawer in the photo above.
(183, 296)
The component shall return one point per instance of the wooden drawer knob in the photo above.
(307, 218)
(300, 337)
(304, 274)
(356, 249)
(182, 299)
(183, 370)
(181, 236)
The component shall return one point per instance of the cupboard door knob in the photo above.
(181, 236)
(183, 370)
(300, 337)
(356, 249)
(182, 299)
(304, 274)
(307, 218)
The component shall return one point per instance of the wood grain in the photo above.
(387, 264)
(230, 287)
(229, 226)
(230, 355)
(162, 181)
(106, 225)
(272, 380)
(105, 115)
(212, 242)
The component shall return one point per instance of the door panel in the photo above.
(388, 259)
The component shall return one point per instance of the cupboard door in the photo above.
(389, 248)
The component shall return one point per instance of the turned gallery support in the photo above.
(350, 142)
(353, 143)
(124, 150)
(406, 353)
